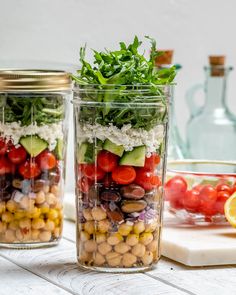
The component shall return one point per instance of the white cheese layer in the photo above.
(127, 136)
(50, 133)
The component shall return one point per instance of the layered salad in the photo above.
(31, 167)
(121, 115)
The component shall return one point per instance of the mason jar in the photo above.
(33, 135)
(120, 152)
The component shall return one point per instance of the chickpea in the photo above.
(55, 189)
(98, 213)
(40, 197)
(52, 214)
(114, 239)
(85, 256)
(87, 214)
(129, 260)
(22, 235)
(25, 223)
(122, 248)
(132, 239)
(59, 206)
(100, 238)
(99, 259)
(138, 250)
(35, 234)
(113, 259)
(13, 225)
(139, 227)
(153, 246)
(90, 246)
(124, 229)
(104, 226)
(45, 236)
(38, 223)
(49, 225)
(7, 217)
(10, 235)
(46, 189)
(151, 227)
(26, 203)
(89, 227)
(104, 248)
(3, 227)
(84, 236)
(146, 238)
(51, 199)
(11, 206)
(2, 207)
(147, 259)
(57, 232)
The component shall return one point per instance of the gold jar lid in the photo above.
(34, 80)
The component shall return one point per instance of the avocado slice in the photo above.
(136, 157)
(113, 148)
(33, 144)
(59, 149)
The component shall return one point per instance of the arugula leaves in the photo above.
(27, 110)
(123, 76)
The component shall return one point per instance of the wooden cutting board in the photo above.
(192, 246)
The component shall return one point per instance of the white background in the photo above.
(50, 32)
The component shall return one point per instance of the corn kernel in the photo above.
(52, 214)
(38, 223)
(19, 214)
(124, 229)
(11, 206)
(2, 207)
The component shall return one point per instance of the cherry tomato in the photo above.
(176, 204)
(223, 196)
(208, 194)
(197, 187)
(93, 172)
(124, 174)
(207, 209)
(17, 155)
(191, 200)
(108, 181)
(107, 161)
(175, 187)
(146, 179)
(29, 169)
(84, 184)
(46, 160)
(6, 166)
(224, 187)
(152, 162)
(3, 147)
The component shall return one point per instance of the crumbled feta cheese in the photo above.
(50, 133)
(127, 136)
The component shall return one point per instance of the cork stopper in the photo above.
(165, 58)
(217, 63)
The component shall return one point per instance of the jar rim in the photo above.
(30, 80)
(175, 167)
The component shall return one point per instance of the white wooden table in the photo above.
(54, 271)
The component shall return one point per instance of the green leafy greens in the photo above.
(27, 110)
(124, 76)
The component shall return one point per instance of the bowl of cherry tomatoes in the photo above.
(196, 190)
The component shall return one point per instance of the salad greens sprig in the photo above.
(124, 76)
(25, 109)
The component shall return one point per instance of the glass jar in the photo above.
(33, 135)
(211, 129)
(120, 144)
(196, 190)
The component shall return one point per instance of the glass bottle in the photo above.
(176, 146)
(211, 129)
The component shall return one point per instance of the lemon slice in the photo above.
(230, 209)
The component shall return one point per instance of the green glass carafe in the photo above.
(211, 129)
